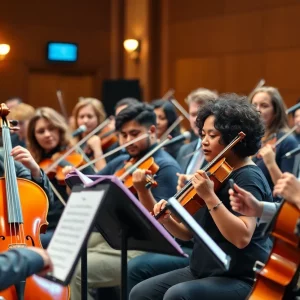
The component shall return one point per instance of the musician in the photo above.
(296, 119)
(245, 203)
(151, 264)
(269, 103)
(13, 101)
(191, 164)
(22, 113)
(165, 116)
(27, 168)
(19, 263)
(218, 122)
(90, 112)
(48, 137)
(125, 102)
(104, 263)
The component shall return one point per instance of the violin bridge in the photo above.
(20, 245)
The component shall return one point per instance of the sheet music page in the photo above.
(219, 253)
(72, 229)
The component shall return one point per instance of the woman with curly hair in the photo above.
(219, 122)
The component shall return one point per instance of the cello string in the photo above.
(12, 209)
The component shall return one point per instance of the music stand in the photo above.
(125, 223)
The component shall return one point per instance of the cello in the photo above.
(274, 277)
(23, 211)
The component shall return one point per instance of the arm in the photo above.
(246, 204)
(26, 167)
(288, 187)
(268, 155)
(176, 229)
(17, 264)
(225, 220)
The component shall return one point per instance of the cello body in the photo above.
(34, 205)
(280, 269)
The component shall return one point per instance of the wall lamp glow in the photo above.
(133, 48)
(4, 49)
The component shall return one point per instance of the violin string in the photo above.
(145, 135)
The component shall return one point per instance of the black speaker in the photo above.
(115, 90)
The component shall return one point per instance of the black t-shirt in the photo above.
(202, 263)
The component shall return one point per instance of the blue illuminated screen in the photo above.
(62, 52)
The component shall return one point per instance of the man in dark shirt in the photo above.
(104, 263)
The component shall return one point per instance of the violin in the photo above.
(274, 278)
(217, 170)
(73, 159)
(148, 164)
(22, 220)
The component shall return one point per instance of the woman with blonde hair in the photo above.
(270, 104)
(90, 112)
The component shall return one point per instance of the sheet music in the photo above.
(210, 243)
(72, 229)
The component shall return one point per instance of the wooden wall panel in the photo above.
(27, 26)
(240, 75)
(250, 40)
(193, 73)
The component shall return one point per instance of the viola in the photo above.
(22, 220)
(73, 159)
(218, 171)
(274, 278)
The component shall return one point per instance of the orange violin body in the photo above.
(74, 159)
(278, 272)
(34, 205)
(148, 164)
(218, 173)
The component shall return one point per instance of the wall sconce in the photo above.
(133, 48)
(4, 49)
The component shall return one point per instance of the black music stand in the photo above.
(126, 224)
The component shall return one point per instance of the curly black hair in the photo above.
(141, 113)
(233, 114)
